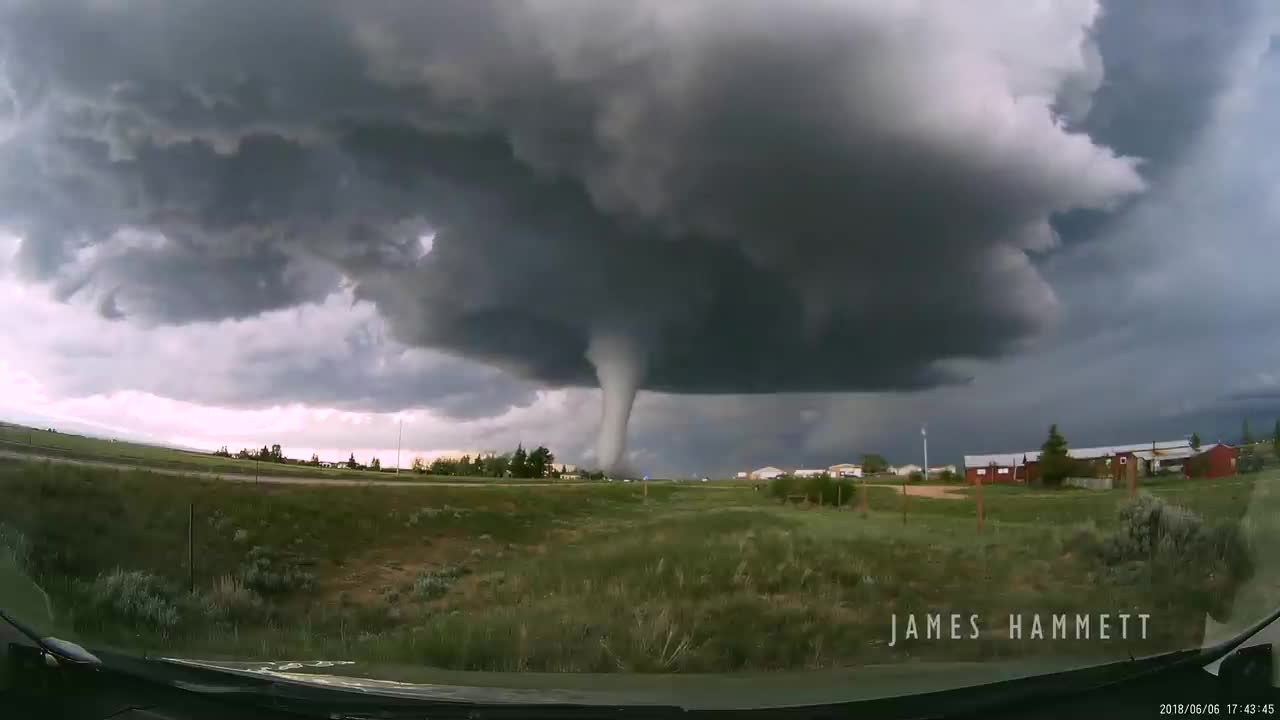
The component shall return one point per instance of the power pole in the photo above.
(924, 435)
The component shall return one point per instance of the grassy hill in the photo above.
(18, 438)
(603, 577)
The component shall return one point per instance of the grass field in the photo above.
(599, 577)
(35, 441)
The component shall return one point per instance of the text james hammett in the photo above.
(1031, 626)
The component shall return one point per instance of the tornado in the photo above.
(619, 361)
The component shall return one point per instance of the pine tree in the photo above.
(519, 463)
(1055, 462)
(1195, 441)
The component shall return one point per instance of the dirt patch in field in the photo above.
(937, 492)
(363, 579)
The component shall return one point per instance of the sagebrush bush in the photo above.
(435, 583)
(1202, 562)
(271, 573)
(132, 597)
(1151, 528)
(229, 600)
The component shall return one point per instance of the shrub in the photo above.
(1202, 561)
(782, 486)
(1249, 461)
(1084, 538)
(916, 477)
(229, 600)
(269, 572)
(1149, 524)
(949, 476)
(132, 597)
(14, 542)
(435, 583)
(819, 489)
(421, 516)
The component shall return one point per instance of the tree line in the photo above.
(519, 463)
(275, 455)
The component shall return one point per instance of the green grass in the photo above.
(597, 577)
(16, 438)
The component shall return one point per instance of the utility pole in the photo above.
(399, 437)
(924, 435)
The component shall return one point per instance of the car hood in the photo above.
(691, 691)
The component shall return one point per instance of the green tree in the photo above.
(276, 454)
(496, 465)
(874, 463)
(315, 459)
(419, 465)
(1246, 437)
(539, 462)
(1275, 439)
(519, 463)
(1055, 462)
(375, 464)
(351, 462)
(1195, 441)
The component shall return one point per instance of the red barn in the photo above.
(1120, 462)
(1217, 460)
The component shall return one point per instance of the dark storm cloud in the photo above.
(734, 198)
(1163, 69)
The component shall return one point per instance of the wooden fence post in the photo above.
(191, 545)
(978, 496)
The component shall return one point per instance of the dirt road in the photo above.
(938, 492)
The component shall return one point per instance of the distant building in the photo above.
(1217, 460)
(939, 469)
(767, 473)
(1119, 462)
(808, 472)
(743, 475)
(565, 468)
(907, 469)
(845, 470)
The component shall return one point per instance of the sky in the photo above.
(679, 238)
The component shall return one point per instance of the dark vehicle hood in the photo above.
(691, 691)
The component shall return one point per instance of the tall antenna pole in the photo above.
(924, 435)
